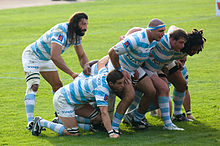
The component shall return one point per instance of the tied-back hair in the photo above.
(73, 25)
(195, 38)
(114, 75)
(178, 34)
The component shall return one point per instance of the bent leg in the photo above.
(127, 98)
(180, 86)
(33, 82)
(52, 77)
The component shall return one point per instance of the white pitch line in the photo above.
(17, 78)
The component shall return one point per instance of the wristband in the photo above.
(188, 112)
(110, 133)
(119, 69)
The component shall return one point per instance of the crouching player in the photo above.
(83, 90)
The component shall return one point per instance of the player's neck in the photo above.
(149, 36)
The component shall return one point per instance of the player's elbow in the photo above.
(112, 53)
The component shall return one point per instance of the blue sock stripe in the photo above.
(179, 102)
(164, 110)
(84, 126)
(29, 109)
(152, 107)
(82, 120)
(62, 128)
(178, 94)
(139, 114)
(163, 99)
(30, 97)
(30, 119)
(53, 126)
(115, 124)
(131, 107)
(118, 116)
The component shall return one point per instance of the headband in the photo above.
(157, 27)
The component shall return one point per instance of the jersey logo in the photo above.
(106, 97)
(60, 37)
(127, 44)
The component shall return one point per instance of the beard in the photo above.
(80, 32)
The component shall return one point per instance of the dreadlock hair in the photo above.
(195, 38)
(114, 75)
(73, 25)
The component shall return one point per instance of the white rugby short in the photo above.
(143, 71)
(32, 64)
(61, 106)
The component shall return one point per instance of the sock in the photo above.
(58, 128)
(136, 101)
(138, 117)
(82, 120)
(165, 110)
(116, 121)
(178, 98)
(84, 126)
(29, 101)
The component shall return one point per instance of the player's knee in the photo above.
(57, 85)
(33, 82)
(181, 87)
(35, 87)
(164, 90)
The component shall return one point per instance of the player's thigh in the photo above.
(146, 86)
(160, 85)
(84, 110)
(52, 77)
(65, 111)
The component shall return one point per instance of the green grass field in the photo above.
(108, 19)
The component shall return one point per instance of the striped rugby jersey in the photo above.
(161, 54)
(57, 34)
(133, 50)
(85, 89)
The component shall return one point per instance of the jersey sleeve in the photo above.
(125, 46)
(58, 37)
(102, 91)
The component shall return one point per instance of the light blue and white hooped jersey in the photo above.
(133, 50)
(161, 54)
(57, 34)
(85, 89)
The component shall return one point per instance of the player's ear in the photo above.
(110, 84)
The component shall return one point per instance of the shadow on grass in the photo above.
(195, 133)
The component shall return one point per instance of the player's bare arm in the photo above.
(58, 60)
(107, 121)
(83, 59)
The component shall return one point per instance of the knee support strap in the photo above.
(31, 79)
(94, 114)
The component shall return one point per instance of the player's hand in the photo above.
(87, 69)
(122, 37)
(74, 75)
(165, 70)
(179, 64)
(127, 77)
(190, 117)
(114, 135)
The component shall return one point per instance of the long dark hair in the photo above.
(73, 25)
(195, 38)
